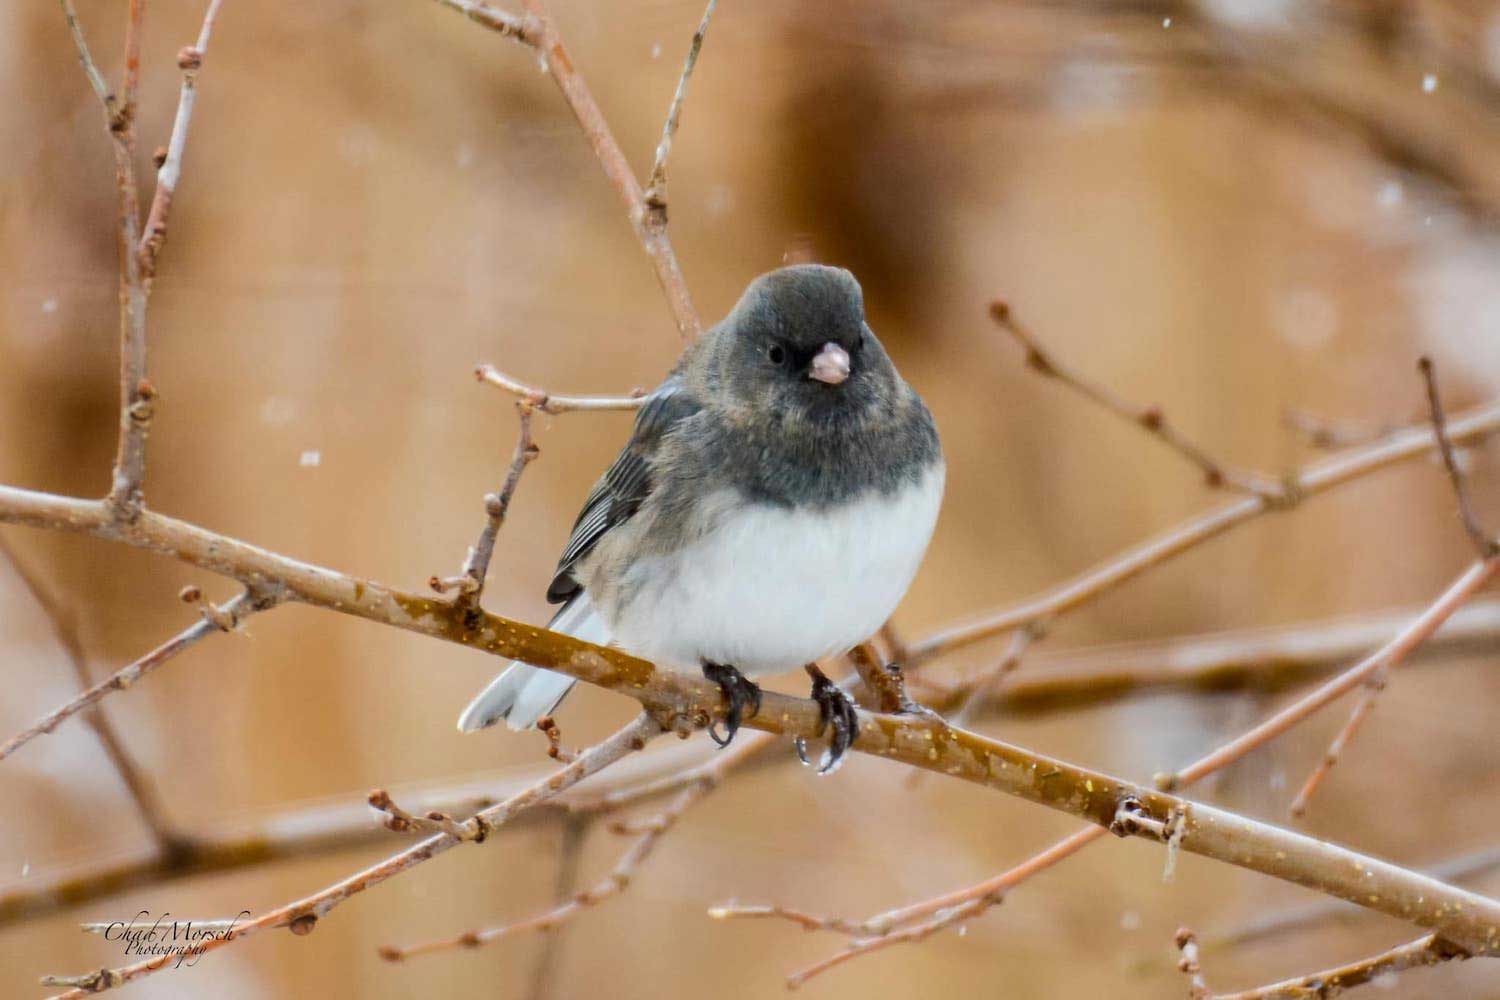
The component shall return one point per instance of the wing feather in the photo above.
(622, 489)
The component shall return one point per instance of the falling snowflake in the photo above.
(310, 459)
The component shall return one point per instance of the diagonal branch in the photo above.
(64, 627)
(537, 30)
(222, 619)
(301, 916)
(470, 580)
(656, 186)
(916, 741)
(1215, 473)
(1484, 542)
(1423, 952)
(1314, 480)
(190, 61)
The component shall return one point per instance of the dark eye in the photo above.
(777, 354)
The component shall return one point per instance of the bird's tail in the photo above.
(523, 693)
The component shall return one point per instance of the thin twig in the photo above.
(656, 186)
(325, 828)
(575, 828)
(470, 581)
(541, 399)
(1316, 479)
(1215, 474)
(1190, 964)
(189, 61)
(102, 91)
(1175, 825)
(64, 628)
(1430, 950)
(1265, 660)
(537, 30)
(617, 881)
(233, 611)
(1332, 434)
(302, 916)
(1460, 869)
(1484, 542)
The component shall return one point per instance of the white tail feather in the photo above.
(523, 693)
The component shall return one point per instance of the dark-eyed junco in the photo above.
(772, 506)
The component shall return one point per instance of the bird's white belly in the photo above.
(770, 589)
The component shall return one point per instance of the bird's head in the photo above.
(797, 343)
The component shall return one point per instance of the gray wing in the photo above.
(622, 489)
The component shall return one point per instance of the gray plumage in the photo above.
(767, 506)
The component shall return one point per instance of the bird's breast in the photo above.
(768, 588)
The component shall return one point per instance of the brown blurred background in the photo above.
(1228, 208)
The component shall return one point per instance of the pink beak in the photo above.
(830, 365)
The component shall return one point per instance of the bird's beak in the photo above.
(830, 365)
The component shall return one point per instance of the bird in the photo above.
(773, 504)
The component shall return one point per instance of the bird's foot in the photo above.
(739, 694)
(836, 709)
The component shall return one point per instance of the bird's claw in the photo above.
(836, 709)
(738, 694)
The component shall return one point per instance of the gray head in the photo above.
(797, 345)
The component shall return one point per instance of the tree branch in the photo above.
(1314, 480)
(301, 916)
(223, 619)
(538, 30)
(1430, 950)
(189, 60)
(911, 740)
(656, 186)
(541, 399)
(1150, 418)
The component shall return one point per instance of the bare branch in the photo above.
(1462, 917)
(1484, 542)
(1312, 481)
(329, 828)
(1190, 966)
(1215, 473)
(1262, 659)
(617, 881)
(96, 80)
(470, 583)
(64, 627)
(1302, 918)
(233, 612)
(189, 60)
(541, 399)
(1172, 828)
(656, 186)
(1430, 950)
(302, 916)
(537, 29)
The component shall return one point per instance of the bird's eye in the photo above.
(777, 354)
